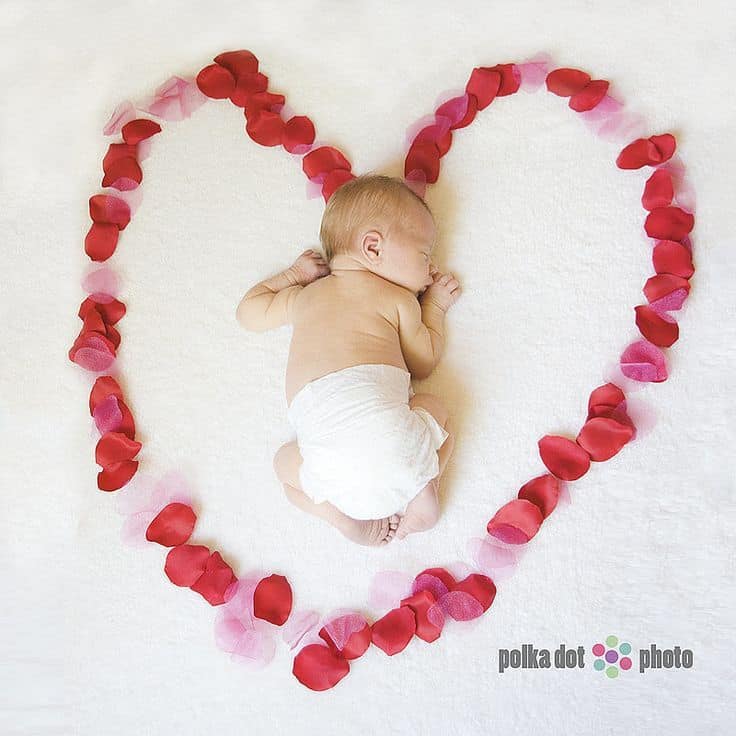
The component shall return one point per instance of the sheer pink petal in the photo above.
(341, 628)
(564, 499)
(255, 650)
(173, 487)
(388, 587)
(671, 302)
(433, 584)
(101, 281)
(132, 197)
(534, 71)
(143, 149)
(460, 606)
(133, 530)
(612, 374)
(298, 625)
(122, 114)
(137, 495)
(229, 631)
(493, 557)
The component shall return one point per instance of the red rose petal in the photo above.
(670, 256)
(420, 603)
(265, 128)
(216, 81)
(668, 223)
(515, 522)
(215, 580)
(650, 151)
(238, 62)
(543, 491)
(317, 667)
(105, 208)
(139, 129)
(92, 351)
(115, 476)
(480, 587)
(425, 156)
(455, 110)
(566, 82)
(272, 599)
(394, 631)
(111, 312)
(658, 191)
(185, 564)
(659, 329)
(607, 395)
(663, 284)
(563, 457)
(116, 151)
(264, 101)
(103, 387)
(642, 361)
(335, 179)
(322, 160)
(484, 84)
(100, 242)
(123, 168)
(173, 525)
(423, 581)
(349, 636)
(588, 97)
(603, 437)
(298, 131)
(248, 85)
(114, 447)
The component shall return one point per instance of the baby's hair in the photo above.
(367, 200)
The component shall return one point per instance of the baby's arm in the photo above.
(421, 334)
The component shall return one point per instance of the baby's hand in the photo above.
(444, 292)
(309, 267)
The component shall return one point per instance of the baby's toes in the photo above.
(393, 521)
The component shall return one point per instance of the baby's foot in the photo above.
(421, 514)
(370, 532)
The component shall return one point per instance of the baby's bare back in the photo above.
(343, 319)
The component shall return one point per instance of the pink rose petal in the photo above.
(133, 530)
(298, 625)
(643, 361)
(388, 587)
(107, 415)
(123, 113)
(103, 280)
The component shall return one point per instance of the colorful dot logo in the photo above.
(608, 657)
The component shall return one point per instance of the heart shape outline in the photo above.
(167, 518)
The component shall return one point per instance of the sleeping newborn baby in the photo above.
(367, 317)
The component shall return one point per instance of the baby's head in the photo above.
(381, 224)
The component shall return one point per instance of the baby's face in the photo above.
(408, 252)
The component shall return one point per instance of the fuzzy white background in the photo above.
(545, 235)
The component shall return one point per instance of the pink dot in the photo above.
(598, 650)
(625, 663)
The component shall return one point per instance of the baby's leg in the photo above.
(423, 510)
(369, 532)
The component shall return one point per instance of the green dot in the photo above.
(625, 648)
(611, 641)
(599, 664)
(612, 672)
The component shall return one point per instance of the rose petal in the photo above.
(318, 668)
(124, 112)
(643, 361)
(173, 525)
(659, 329)
(299, 624)
(603, 437)
(542, 491)
(387, 587)
(515, 522)
(563, 457)
(393, 631)
(272, 599)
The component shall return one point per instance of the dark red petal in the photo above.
(265, 128)
(111, 311)
(318, 667)
(123, 168)
(603, 437)
(105, 208)
(425, 156)
(139, 129)
(264, 101)
(248, 85)
(173, 525)
(100, 242)
(115, 476)
(298, 131)
(481, 587)
(394, 631)
(543, 491)
(563, 457)
(566, 82)
(670, 256)
(215, 580)
(663, 284)
(356, 645)
(116, 151)
(323, 160)
(668, 223)
(216, 81)
(484, 84)
(515, 522)
(420, 603)
(588, 97)
(114, 447)
(335, 179)
(607, 395)
(272, 599)
(185, 564)
(658, 191)
(103, 387)
(238, 62)
(659, 329)
(650, 151)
